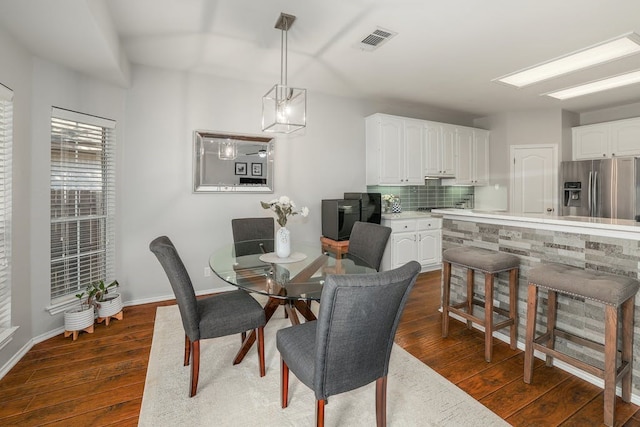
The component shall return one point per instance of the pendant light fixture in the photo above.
(283, 107)
(227, 149)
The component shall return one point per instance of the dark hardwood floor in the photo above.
(98, 380)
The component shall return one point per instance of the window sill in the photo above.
(62, 306)
(6, 335)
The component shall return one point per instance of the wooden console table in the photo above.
(338, 247)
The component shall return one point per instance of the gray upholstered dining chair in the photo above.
(214, 316)
(350, 344)
(368, 242)
(259, 231)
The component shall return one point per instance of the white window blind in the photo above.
(6, 141)
(82, 201)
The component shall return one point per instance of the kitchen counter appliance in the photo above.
(606, 188)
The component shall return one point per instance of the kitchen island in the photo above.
(607, 245)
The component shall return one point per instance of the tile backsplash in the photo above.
(430, 195)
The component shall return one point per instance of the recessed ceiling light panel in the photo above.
(597, 86)
(608, 51)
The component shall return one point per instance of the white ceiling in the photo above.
(445, 55)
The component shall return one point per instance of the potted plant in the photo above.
(107, 304)
(78, 319)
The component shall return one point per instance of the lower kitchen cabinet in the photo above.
(413, 240)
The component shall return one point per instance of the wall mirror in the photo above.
(225, 162)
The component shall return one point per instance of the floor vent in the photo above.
(376, 38)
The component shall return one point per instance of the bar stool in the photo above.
(490, 263)
(615, 292)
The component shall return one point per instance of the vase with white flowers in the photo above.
(284, 208)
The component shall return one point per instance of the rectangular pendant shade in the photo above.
(284, 109)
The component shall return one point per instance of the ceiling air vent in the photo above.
(376, 39)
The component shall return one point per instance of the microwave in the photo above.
(338, 217)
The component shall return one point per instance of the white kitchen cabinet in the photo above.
(394, 150)
(472, 165)
(413, 240)
(440, 149)
(604, 140)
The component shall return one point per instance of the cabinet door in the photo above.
(625, 138)
(448, 150)
(432, 158)
(404, 248)
(429, 243)
(391, 150)
(413, 152)
(464, 169)
(481, 157)
(590, 142)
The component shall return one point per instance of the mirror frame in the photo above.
(205, 150)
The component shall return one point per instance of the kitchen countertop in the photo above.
(407, 215)
(572, 224)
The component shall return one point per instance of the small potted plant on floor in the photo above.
(107, 304)
(80, 318)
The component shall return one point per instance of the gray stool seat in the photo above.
(481, 259)
(490, 263)
(617, 294)
(594, 285)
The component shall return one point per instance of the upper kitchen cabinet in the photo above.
(394, 150)
(472, 165)
(440, 149)
(610, 139)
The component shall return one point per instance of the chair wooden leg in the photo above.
(446, 284)
(470, 283)
(610, 353)
(532, 307)
(627, 346)
(488, 316)
(552, 307)
(261, 350)
(187, 350)
(195, 367)
(320, 413)
(243, 336)
(513, 307)
(381, 402)
(284, 383)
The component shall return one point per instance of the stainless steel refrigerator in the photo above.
(606, 188)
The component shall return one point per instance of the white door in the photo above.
(534, 177)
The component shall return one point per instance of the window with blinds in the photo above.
(82, 201)
(6, 141)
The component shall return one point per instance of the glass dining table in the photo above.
(291, 282)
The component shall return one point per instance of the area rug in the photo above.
(231, 395)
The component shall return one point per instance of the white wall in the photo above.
(164, 107)
(15, 72)
(514, 128)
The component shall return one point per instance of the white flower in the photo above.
(284, 208)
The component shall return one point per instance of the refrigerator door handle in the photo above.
(589, 193)
(595, 194)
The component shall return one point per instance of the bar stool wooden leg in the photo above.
(446, 276)
(488, 316)
(513, 307)
(552, 307)
(610, 351)
(470, 277)
(532, 311)
(627, 346)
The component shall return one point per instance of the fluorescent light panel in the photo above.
(607, 51)
(597, 86)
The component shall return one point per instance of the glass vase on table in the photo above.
(283, 242)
